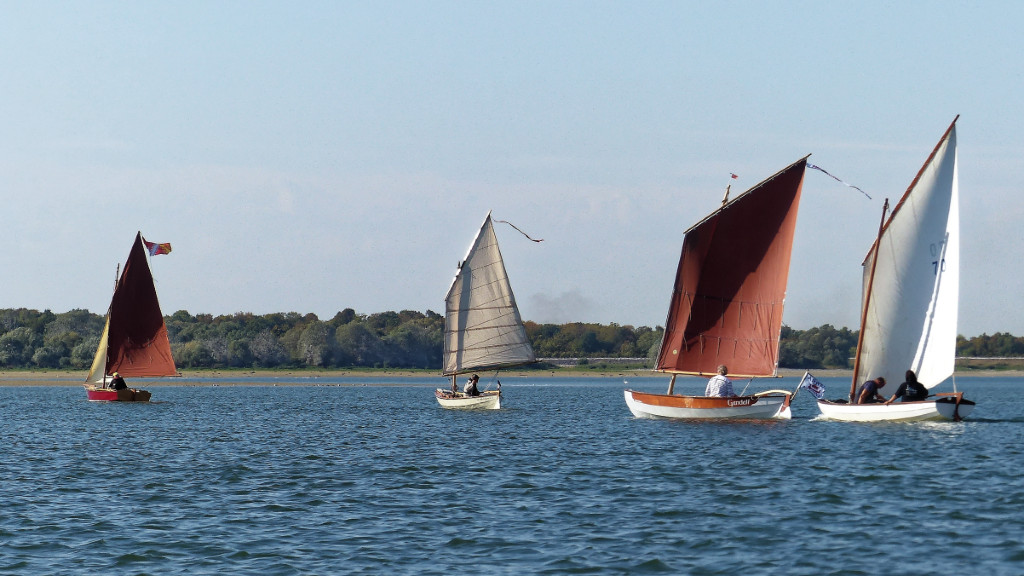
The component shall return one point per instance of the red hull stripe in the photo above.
(102, 394)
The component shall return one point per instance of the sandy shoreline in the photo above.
(310, 377)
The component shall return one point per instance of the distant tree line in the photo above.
(829, 347)
(998, 345)
(821, 347)
(406, 339)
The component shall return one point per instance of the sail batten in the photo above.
(731, 283)
(910, 319)
(483, 328)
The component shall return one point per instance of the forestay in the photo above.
(483, 328)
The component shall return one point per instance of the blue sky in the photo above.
(315, 156)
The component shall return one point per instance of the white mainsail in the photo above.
(911, 318)
(483, 328)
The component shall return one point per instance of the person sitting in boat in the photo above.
(869, 391)
(470, 389)
(910, 391)
(118, 383)
(719, 385)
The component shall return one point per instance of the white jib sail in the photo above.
(483, 328)
(912, 314)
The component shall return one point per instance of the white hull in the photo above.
(490, 400)
(768, 406)
(937, 409)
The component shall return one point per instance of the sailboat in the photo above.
(726, 306)
(910, 292)
(134, 341)
(482, 326)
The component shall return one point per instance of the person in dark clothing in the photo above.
(869, 391)
(910, 391)
(118, 383)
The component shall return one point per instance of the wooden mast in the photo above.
(867, 301)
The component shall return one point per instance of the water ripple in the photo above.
(371, 480)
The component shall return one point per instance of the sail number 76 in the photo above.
(937, 250)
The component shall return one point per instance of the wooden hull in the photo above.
(99, 394)
(490, 400)
(944, 407)
(773, 405)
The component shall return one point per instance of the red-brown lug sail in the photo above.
(731, 283)
(137, 344)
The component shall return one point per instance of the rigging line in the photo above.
(825, 172)
(520, 231)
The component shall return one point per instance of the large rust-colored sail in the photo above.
(731, 283)
(137, 343)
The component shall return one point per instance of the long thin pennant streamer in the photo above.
(520, 231)
(825, 172)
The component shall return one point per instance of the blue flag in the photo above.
(813, 385)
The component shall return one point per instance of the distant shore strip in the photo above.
(380, 377)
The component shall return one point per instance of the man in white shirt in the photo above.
(719, 385)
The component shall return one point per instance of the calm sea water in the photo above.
(377, 479)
